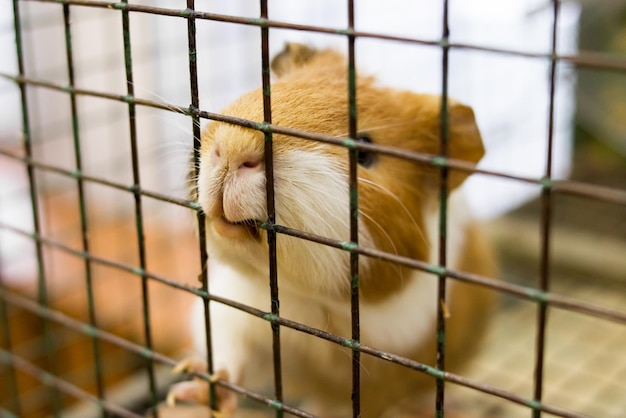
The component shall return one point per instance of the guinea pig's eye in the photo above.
(365, 158)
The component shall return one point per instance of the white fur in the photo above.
(231, 328)
(397, 324)
(403, 320)
(311, 195)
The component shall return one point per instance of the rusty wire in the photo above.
(527, 293)
(27, 143)
(56, 316)
(602, 61)
(541, 295)
(353, 211)
(82, 206)
(444, 136)
(546, 232)
(575, 188)
(523, 292)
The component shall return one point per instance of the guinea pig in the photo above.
(398, 204)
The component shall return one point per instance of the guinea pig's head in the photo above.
(396, 196)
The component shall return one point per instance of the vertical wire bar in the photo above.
(83, 206)
(195, 107)
(136, 188)
(354, 217)
(546, 218)
(443, 215)
(15, 406)
(271, 210)
(42, 290)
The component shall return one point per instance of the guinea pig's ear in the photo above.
(294, 55)
(465, 142)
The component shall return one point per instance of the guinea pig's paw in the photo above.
(197, 390)
(190, 365)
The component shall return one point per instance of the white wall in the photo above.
(509, 94)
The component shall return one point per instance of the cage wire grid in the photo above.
(540, 294)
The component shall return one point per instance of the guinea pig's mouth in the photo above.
(247, 228)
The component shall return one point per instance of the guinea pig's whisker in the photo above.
(367, 182)
(191, 177)
(192, 174)
(393, 246)
(389, 125)
(396, 267)
(175, 109)
(185, 128)
(313, 190)
(331, 227)
(374, 128)
(342, 220)
(192, 192)
(168, 150)
(162, 99)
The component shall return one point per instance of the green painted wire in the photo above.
(271, 210)
(42, 290)
(354, 213)
(138, 205)
(83, 207)
(443, 215)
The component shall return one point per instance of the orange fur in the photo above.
(398, 200)
(396, 118)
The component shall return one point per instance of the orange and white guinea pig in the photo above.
(398, 213)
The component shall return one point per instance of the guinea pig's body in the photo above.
(398, 204)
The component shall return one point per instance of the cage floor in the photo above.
(585, 362)
(585, 367)
(585, 356)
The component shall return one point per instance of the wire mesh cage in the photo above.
(100, 263)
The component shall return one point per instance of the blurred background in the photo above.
(508, 93)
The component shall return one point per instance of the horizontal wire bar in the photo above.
(576, 188)
(104, 261)
(524, 292)
(97, 180)
(87, 329)
(403, 361)
(528, 293)
(49, 379)
(82, 327)
(596, 60)
(607, 194)
(605, 61)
